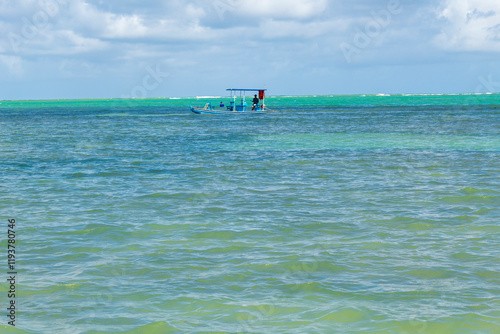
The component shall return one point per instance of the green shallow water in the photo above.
(347, 214)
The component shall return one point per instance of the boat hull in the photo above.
(201, 111)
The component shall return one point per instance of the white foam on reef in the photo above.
(426, 94)
(208, 97)
(445, 94)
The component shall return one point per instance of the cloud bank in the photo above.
(472, 25)
(102, 48)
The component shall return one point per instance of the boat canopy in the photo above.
(262, 92)
(246, 89)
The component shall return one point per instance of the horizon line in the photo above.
(268, 96)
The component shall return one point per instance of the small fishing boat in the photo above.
(237, 103)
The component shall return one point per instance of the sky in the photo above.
(74, 49)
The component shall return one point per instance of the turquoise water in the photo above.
(338, 214)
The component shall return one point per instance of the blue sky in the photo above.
(51, 49)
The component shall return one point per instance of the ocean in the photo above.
(331, 214)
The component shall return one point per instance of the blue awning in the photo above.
(246, 89)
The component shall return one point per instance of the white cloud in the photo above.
(472, 25)
(120, 26)
(67, 42)
(271, 29)
(13, 64)
(178, 24)
(293, 9)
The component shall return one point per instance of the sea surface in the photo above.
(330, 214)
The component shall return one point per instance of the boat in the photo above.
(237, 104)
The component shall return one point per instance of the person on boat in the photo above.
(221, 104)
(255, 102)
